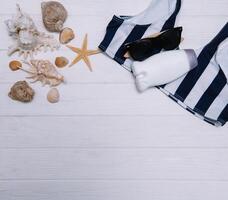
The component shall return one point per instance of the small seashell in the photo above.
(61, 62)
(54, 15)
(22, 92)
(66, 35)
(53, 95)
(15, 65)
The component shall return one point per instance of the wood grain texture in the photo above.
(113, 190)
(104, 140)
(109, 132)
(108, 164)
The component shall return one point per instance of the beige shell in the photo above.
(22, 92)
(66, 35)
(54, 15)
(61, 62)
(15, 65)
(53, 95)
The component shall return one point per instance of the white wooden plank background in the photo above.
(104, 140)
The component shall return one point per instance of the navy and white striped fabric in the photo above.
(204, 90)
(159, 16)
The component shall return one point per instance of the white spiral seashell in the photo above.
(27, 39)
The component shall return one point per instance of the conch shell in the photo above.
(54, 15)
(43, 71)
(27, 39)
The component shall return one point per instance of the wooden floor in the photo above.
(104, 140)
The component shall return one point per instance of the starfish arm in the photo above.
(93, 52)
(75, 49)
(85, 43)
(76, 60)
(87, 61)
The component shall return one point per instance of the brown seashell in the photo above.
(15, 65)
(53, 95)
(54, 15)
(66, 35)
(61, 62)
(22, 92)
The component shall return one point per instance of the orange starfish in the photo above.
(83, 53)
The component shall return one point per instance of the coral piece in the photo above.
(54, 15)
(27, 39)
(61, 62)
(15, 65)
(83, 53)
(66, 35)
(22, 92)
(53, 95)
(43, 71)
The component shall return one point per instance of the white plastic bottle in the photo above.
(163, 68)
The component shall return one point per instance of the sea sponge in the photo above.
(22, 92)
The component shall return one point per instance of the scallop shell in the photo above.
(15, 65)
(66, 35)
(54, 15)
(22, 92)
(53, 95)
(61, 62)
